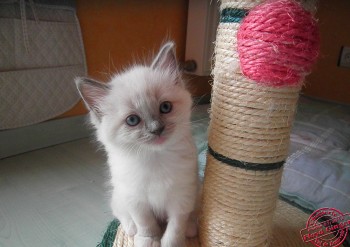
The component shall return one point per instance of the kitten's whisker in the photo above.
(195, 104)
(198, 120)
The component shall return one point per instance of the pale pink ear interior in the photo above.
(166, 58)
(92, 92)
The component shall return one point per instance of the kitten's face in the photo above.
(144, 106)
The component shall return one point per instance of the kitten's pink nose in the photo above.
(156, 127)
(158, 131)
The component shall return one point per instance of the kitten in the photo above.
(142, 117)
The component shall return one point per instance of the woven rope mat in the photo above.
(287, 223)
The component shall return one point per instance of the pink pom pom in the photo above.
(278, 42)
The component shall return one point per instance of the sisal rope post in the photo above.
(259, 68)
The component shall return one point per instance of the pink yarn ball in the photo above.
(278, 42)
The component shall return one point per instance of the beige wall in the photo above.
(327, 80)
(117, 32)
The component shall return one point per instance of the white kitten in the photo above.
(142, 117)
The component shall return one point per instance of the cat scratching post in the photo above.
(259, 68)
(260, 63)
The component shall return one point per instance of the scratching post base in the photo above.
(287, 223)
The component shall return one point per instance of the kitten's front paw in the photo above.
(129, 227)
(140, 241)
(173, 242)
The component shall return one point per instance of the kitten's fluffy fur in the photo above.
(152, 164)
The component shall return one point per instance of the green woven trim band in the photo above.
(230, 15)
(245, 165)
(109, 236)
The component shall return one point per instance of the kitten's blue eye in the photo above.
(133, 120)
(165, 107)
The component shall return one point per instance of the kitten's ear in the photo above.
(166, 58)
(92, 92)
